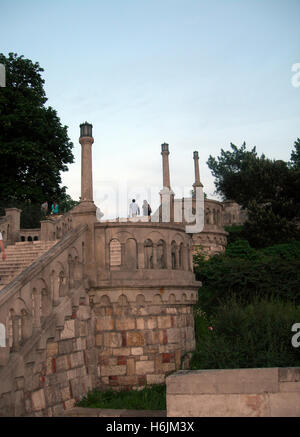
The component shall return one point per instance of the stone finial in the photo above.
(86, 130)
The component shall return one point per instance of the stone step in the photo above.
(19, 257)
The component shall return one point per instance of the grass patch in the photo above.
(149, 398)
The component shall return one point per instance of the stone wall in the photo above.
(141, 335)
(46, 350)
(265, 392)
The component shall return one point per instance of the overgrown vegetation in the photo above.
(248, 303)
(239, 335)
(149, 398)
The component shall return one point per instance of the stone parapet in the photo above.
(262, 392)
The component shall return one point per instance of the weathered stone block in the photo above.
(285, 404)
(51, 349)
(140, 323)
(156, 379)
(224, 381)
(65, 346)
(289, 374)
(218, 405)
(112, 339)
(69, 330)
(69, 404)
(135, 339)
(152, 322)
(99, 339)
(289, 386)
(125, 324)
(164, 322)
(77, 359)
(112, 370)
(136, 351)
(105, 324)
(38, 400)
(130, 366)
(144, 367)
(122, 351)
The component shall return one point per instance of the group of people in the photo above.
(134, 209)
(45, 208)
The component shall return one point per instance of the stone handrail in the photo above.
(28, 300)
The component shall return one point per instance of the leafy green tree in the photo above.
(269, 189)
(34, 145)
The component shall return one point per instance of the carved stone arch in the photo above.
(115, 254)
(122, 300)
(207, 216)
(57, 280)
(155, 236)
(40, 301)
(218, 217)
(161, 254)
(105, 301)
(9, 328)
(74, 267)
(122, 236)
(172, 298)
(174, 255)
(157, 300)
(148, 254)
(140, 300)
(131, 254)
(214, 216)
(177, 238)
(181, 256)
(2, 335)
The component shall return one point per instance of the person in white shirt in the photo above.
(134, 209)
(2, 247)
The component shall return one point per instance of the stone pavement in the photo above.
(100, 412)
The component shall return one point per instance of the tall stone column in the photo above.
(86, 140)
(197, 182)
(166, 194)
(165, 162)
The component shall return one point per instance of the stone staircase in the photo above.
(19, 256)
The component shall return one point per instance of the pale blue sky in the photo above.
(195, 74)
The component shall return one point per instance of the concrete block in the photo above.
(218, 405)
(224, 381)
(285, 404)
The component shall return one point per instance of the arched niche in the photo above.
(115, 254)
(130, 260)
(180, 256)
(161, 254)
(2, 335)
(174, 259)
(148, 254)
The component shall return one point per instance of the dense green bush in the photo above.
(240, 336)
(248, 273)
